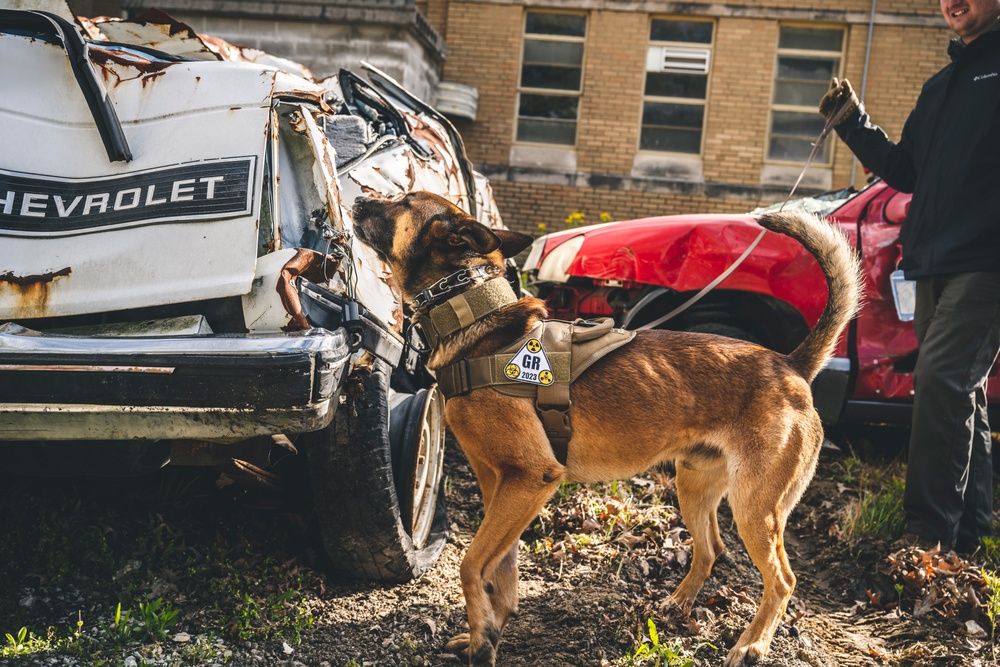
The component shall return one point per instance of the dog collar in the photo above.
(462, 310)
(450, 283)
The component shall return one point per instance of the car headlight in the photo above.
(553, 268)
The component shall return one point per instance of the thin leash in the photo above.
(830, 124)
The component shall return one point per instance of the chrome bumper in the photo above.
(55, 387)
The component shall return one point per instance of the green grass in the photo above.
(652, 653)
(877, 513)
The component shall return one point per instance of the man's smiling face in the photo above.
(970, 18)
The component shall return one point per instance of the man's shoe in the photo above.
(965, 546)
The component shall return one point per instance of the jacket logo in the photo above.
(980, 77)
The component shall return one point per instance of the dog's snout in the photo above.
(362, 207)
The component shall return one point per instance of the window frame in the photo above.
(521, 89)
(711, 47)
(773, 107)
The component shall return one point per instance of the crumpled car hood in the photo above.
(686, 252)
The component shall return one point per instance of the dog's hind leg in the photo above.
(760, 514)
(517, 499)
(699, 490)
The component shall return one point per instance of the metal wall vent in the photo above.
(678, 60)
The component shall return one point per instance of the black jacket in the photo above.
(949, 158)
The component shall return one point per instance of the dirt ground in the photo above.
(586, 608)
(596, 567)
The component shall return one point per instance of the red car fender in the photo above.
(685, 253)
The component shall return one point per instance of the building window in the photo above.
(551, 78)
(807, 59)
(677, 64)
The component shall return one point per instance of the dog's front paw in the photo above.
(481, 653)
(459, 645)
(745, 656)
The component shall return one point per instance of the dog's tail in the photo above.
(843, 280)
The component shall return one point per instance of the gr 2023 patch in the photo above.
(530, 365)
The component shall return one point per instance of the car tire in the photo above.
(358, 483)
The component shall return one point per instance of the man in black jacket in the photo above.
(949, 157)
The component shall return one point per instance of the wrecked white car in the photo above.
(179, 283)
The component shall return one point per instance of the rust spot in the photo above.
(147, 70)
(27, 281)
(32, 292)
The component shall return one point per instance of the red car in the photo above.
(639, 270)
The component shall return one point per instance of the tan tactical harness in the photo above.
(570, 347)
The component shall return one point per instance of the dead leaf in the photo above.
(925, 605)
(973, 629)
(876, 653)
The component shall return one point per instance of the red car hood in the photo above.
(686, 252)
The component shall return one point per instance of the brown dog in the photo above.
(737, 418)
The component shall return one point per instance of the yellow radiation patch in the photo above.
(530, 365)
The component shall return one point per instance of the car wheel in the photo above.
(377, 491)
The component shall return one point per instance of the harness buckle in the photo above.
(462, 374)
(558, 428)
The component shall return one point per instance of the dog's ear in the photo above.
(476, 235)
(512, 242)
(484, 240)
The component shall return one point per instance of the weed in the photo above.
(121, 626)
(847, 470)
(276, 615)
(565, 491)
(878, 511)
(157, 618)
(24, 643)
(652, 653)
(17, 645)
(990, 551)
(992, 580)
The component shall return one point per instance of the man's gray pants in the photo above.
(949, 493)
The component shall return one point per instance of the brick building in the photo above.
(650, 108)
(615, 106)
